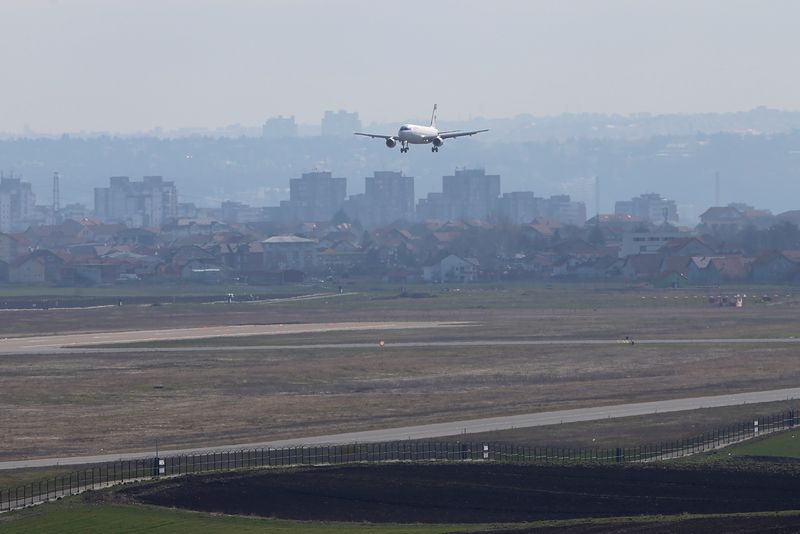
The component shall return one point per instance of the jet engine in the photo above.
(391, 143)
(437, 141)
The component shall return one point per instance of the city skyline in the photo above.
(388, 197)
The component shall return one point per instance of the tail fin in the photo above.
(433, 117)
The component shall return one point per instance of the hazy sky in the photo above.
(131, 65)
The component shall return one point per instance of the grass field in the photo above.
(145, 290)
(782, 445)
(94, 403)
(573, 311)
(72, 516)
(99, 403)
(632, 431)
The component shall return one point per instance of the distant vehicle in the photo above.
(414, 134)
(128, 277)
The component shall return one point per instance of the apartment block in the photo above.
(149, 203)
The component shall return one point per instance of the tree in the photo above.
(366, 240)
(340, 217)
(596, 236)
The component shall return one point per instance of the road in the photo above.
(437, 430)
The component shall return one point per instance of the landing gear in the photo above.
(434, 149)
(404, 147)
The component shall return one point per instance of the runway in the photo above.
(82, 344)
(437, 430)
(55, 343)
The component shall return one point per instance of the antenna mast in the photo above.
(597, 197)
(56, 198)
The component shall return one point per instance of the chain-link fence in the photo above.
(113, 473)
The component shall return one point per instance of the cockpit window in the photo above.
(404, 128)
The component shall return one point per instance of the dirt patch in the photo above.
(472, 493)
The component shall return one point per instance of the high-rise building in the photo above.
(468, 194)
(279, 127)
(388, 197)
(340, 123)
(518, 207)
(315, 196)
(238, 212)
(650, 207)
(562, 209)
(149, 203)
(17, 204)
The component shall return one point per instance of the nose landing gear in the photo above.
(434, 149)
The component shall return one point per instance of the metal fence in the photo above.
(113, 473)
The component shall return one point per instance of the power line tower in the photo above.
(56, 198)
(597, 197)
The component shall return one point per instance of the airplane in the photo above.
(414, 134)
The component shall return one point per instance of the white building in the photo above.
(648, 242)
(388, 197)
(279, 127)
(467, 194)
(561, 208)
(149, 203)
(290, 252)
(649, 207)
(17, 204)
(452, 269)
(340, 123)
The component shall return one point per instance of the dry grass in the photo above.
(505, 311)
(93, 403)
(633, 431)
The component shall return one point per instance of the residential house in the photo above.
(340, 257)
(776, 267)
(10, 248)
(648, 242)
(204, 271)
(452, 269)
(719, 269)
(686, 246)
(729, 269)
(290, 252)
(641, 266)
(38, 267)
(722, 220)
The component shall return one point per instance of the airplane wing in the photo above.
(452, 135)
(377, 136)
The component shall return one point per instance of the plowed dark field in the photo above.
(467, 493)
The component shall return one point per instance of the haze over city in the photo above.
(325, 266)
(131, 66)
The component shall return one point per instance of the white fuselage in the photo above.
(417, 135)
